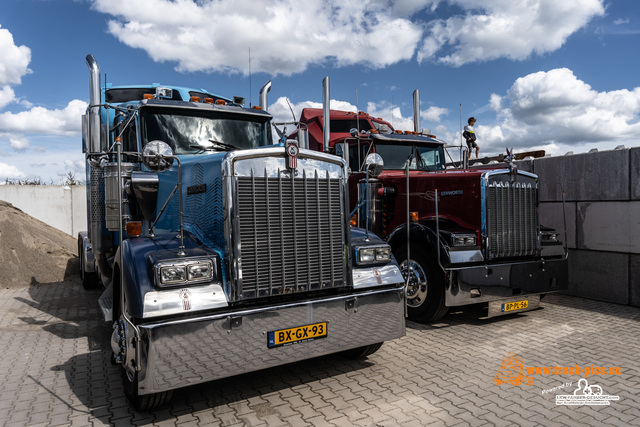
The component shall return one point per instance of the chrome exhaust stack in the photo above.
(326, 119)
(93, 144)
(416, 110)
(263, 95)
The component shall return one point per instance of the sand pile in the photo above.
(32, 251)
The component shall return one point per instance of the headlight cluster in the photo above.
(373, 254)
(184, 272)
(464, 240)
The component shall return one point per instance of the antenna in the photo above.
(250, 90)
(357, 113)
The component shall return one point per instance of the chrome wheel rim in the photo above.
(417, 288)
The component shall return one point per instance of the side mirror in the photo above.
(374, 164)
(353, 132)
(157, 156)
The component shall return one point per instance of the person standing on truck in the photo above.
(470, 136)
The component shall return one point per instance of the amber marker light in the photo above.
(148, 96)
(208, 100)
(195, 99)
(257, 107)
(221, 102)
(354, 221)
(134, 228)
(413, 216)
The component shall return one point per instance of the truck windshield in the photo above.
(192, 132)
(427, 158)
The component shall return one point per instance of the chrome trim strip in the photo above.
(458, 257)
(183, 300)
(366, 277)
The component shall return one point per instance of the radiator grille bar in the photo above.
(512, 219)
(291, 234)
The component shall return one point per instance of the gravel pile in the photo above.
(33, 252)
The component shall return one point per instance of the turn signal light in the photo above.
(134, 228)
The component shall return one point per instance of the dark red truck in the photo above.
(474, 234)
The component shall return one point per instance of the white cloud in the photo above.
(555, 110)
(19, 143)
(492, 29)
(14, 60)
(285, 36)
(10, 172)
(40, 120)
(6, 96)
(434, 114)
(621, 21)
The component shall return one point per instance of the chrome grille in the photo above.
(291, 234)
(512, 217)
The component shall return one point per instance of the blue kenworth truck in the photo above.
(220, 252)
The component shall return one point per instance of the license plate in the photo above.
(296, 335)
(517, 305)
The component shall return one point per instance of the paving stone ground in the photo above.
(56, 372)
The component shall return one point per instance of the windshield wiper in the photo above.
(229, 147)
(223, 145)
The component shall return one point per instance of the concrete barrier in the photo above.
(62, 207)
(602, 193)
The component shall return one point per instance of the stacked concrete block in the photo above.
(602, 204)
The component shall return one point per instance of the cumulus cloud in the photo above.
(14, 60)
(40, 120)
(285, 36)
(555, 109)
(491, 29)
(6, 96)
(10, 172)
(19, 143)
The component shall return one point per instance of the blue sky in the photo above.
(537, 74)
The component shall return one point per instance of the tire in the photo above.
(146, 402)
(425, 294)
(361, 352)
(89, 280)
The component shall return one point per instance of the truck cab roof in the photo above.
(121, 94)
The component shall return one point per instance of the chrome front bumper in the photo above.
(184, 352)
(478, 284)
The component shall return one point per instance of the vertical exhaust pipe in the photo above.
(263, 95)
(94, 103)
(325, 115)
(416, 110)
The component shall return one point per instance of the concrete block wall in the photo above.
(602, 205)
(62, 207)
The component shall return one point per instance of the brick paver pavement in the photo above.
(56, 371)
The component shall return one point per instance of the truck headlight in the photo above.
(373, 254)
(549, 237)
(183, 272)
(464, 240)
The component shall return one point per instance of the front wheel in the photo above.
(361, 352)
(89, 280)
(425, 293)
(144, 402)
